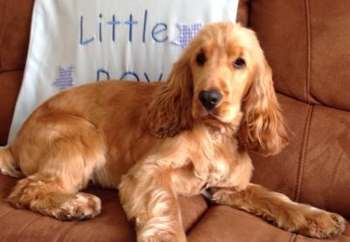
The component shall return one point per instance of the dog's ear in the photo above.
(263, 129)
(170, 110)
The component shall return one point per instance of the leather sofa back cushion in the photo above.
(14, 36)
(314, 167)
(14, 33)
(307, 42)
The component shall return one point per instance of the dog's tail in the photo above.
(8, 165)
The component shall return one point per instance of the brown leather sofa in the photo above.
(307, 43)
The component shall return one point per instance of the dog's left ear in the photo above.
(263, 128)
(170, 110)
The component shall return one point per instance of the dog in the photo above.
(154, 142)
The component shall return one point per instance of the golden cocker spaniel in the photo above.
(156, 141)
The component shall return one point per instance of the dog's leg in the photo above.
(281, 211)
(8, 164)
(148, 199)
(58, 163)
(48, 195)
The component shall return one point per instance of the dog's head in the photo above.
(222, 74)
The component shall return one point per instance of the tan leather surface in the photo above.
(14, 37)
(330, 52)
(10, 83)
(280, 173)
(315, 167)
(307, 45)
(326, 167)
(281, 29)
(14, 33)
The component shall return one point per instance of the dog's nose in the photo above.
(210, 99)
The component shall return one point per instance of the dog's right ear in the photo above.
(170, 110)
(263, 128)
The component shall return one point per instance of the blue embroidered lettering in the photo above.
(130, 22)
(104, 72)
(114, 22)
(157, 30)
(130, 73)
(82, 41)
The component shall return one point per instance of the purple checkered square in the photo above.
(65, 77)
(187, 33)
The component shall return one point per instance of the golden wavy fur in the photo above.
(156, 141)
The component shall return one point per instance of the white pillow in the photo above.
(80, 41)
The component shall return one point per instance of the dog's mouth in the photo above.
(215, 117)
(212, 119)
(208, 115)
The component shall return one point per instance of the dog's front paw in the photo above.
(222, 195)
(161, 237)
(310, 222)
(80, 207)
(158, 233)
(322, 225)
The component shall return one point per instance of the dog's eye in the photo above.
(239, 63)
(201, 58)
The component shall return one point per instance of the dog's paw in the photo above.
(81, 206)
(45, 197)
(322, 225)
(310, 222)
(161, 237)
(157, 233)
(10, 170)
(222, 195)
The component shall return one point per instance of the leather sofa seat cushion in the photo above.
(110, 225)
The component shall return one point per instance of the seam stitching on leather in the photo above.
(10, 70)
(302, 156)
(20, 232)
(65, 232)
(313, 104)
(6, 213)
(198, 220)
(308, 55)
